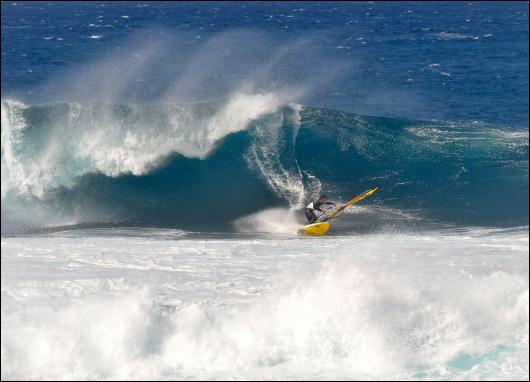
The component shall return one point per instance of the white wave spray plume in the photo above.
(205, 93)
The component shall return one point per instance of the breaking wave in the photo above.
(205, 165)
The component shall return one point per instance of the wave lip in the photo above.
(72, 139)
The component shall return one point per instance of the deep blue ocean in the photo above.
(445, 60)
(117, 112)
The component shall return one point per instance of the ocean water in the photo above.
(156, 158)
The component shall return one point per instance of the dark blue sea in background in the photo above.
(430, 100)
(448, 60)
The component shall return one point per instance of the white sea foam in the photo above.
(455, 36)
(482, 134)
(437, 305)
(273, 220)
(281, 171)
(116, 149)
(13, 124)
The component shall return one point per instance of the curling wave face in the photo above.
(203, 166)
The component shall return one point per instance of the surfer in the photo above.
(311, 207)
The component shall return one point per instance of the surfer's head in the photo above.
(322, 198)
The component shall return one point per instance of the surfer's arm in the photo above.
(326, 208)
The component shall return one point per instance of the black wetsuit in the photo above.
(309, 214)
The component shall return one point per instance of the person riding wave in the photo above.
(311, 207)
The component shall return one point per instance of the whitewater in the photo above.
(156, 159)
(167, 304)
